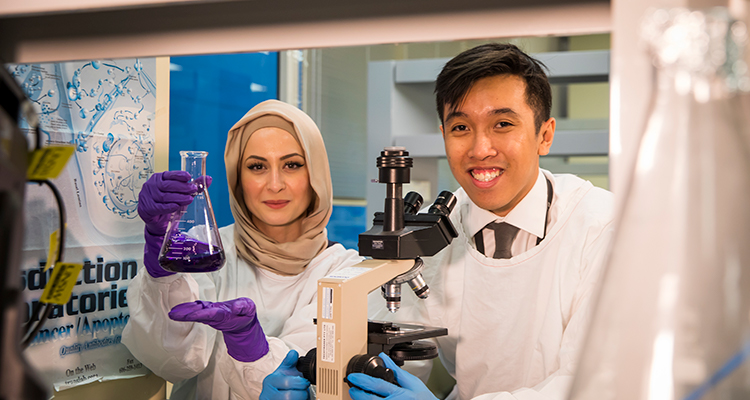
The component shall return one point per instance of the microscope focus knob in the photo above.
(308, 365)
(370, 365)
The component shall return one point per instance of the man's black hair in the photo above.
(460, 74)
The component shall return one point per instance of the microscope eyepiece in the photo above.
(412, 203)
(444, 204)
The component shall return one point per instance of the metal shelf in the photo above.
(567, 143)
(401, 112)
(564, 67)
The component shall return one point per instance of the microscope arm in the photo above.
(342, 319)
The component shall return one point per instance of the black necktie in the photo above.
(505, 233)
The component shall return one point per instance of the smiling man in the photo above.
(515, 287)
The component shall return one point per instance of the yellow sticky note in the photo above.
(52, 253)
(48, 162)
(61, 283)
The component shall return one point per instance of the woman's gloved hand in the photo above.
(161, 195)
(286, 383)
(411, 387)
(236, 319)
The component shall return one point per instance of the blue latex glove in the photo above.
(410, 388)
(161, 195)
(236, 319)
(286, 383)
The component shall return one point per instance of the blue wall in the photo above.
(345, 225)
(208, 94)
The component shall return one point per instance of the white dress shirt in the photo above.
(528, 215)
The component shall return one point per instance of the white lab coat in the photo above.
(515, 325)
(192, 354)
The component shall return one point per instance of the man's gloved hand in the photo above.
(236, 318)
(286, 383)
(411, 387)
(161, 195)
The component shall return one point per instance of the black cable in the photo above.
(30, 330)
(29, 337)
(38, 131)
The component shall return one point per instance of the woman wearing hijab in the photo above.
(243, 319)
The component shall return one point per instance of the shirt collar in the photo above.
(529, 214)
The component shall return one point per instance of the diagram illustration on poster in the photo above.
(106, 109)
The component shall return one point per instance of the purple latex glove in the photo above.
(236, 318)
(163, 194)
(151, 255)
(286, 383)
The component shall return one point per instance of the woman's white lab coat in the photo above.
(192, 354)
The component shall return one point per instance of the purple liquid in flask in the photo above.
(192, 242)
(186, 254)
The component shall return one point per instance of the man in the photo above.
(514, 288)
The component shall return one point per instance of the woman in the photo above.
(263, 301)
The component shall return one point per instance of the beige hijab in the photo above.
(253, 245)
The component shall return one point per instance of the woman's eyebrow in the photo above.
(281, 158)
(291, 155)
(256, 157)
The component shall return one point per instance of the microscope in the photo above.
(347, 341)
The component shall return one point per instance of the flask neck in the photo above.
(194, 162)
(697, 53)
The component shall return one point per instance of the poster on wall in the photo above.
(106, 110)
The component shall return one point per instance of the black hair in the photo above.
(460, 73)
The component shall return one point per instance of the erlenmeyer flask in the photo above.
(672, 317)
(192, 242)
